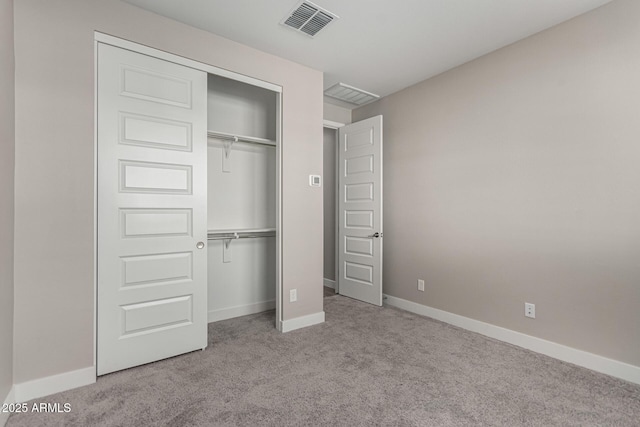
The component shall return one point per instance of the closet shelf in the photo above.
(241, 233)
(223, 136)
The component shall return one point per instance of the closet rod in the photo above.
(239, 138)
(240, 235)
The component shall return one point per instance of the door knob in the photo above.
(376, 235)
(200, 245)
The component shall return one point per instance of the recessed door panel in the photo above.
(156, 269)
(360, 246)
(155, 132)
(358, 219)
(358, 192)
(359, 272)
(142, 177)
(361, 164)
(156, 316)
(358, 139)
(156, 222)
(155, 86)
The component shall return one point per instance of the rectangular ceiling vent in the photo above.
(350, 94)
(308, 18)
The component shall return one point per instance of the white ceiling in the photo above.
(380, 46)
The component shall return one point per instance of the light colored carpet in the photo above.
(364, 366)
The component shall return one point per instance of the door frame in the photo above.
(209, 69)
(328, 124)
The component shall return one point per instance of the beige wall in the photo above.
(516, 177)
(7, 147)
(337, 114)
(329, 202)
(54, 269)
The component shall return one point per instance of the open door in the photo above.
(152, 209)
(360, 211)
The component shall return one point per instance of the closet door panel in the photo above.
(150, 270)
(156, 222)
(157, 316)
(147, 131)
(145, 82)
(146, 177)
(152, 209)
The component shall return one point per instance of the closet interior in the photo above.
(242, 135)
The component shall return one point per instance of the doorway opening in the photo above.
(330, 212)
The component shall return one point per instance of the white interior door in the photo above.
(152, 209)
(360, 210)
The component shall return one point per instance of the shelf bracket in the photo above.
(227, 255)
(226, 158)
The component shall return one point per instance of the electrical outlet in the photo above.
(530, 310)
(421, 285)
(293, 295)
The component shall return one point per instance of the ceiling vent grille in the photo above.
(350, 94)
(308, 18)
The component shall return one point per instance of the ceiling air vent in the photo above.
(350, 94)
(308, 18)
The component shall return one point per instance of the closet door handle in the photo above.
(200, 245)
(376, 235)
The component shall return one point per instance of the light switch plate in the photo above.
(315, 180)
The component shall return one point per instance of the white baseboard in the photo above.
(4, 416)
(301, 322)
(54, 384)
(240, 310)
(585, 359)
(330, 283)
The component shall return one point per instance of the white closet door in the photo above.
(360, 210)
(152, 209)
